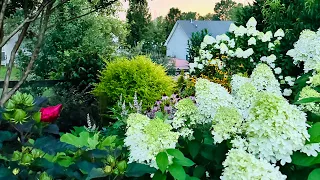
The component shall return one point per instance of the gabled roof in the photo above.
(214, 27)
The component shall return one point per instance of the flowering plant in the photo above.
(239, 50)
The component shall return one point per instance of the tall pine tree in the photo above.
(139, 20)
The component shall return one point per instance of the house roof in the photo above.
(214, 27)
(181, 64)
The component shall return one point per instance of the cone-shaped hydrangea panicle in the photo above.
(145, 138)
(241, 165)
(226, 124)
(186, 118)
(209, 97)
(263, 79)
(274, 128)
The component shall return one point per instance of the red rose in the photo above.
(51, 113)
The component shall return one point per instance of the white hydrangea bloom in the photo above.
(192, 67)
(237, 81)
(252, 31)
(203, 45)
(209, 97)
(252, 41)
(145, 138)
(274, 128)
(226, 124)
(232, 27)
(240, 31)
(223, 48)
(252, 22)
(279, 34)
(307, 50)
(244, 98)
(241, 165)
(232, 43)
(247, 53)
(311, 149)
(263, 79)
(271, 46)
(287, 92)
(277, 70)
(222, 37)
(209, 39)
(265, 37)
(185, 118)
(239, 53)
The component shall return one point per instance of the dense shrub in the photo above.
(125, 77)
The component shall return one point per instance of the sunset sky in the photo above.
(161, 7)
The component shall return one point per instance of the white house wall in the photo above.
(178, 43)
(7, 48)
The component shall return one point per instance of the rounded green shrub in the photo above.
(127, 76)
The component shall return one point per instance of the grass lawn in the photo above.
(14, 76)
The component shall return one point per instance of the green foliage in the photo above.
(125, 77)
(194, 44)
(139, 19)
(74, 51)
(223, 9)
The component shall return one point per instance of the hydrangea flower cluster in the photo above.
(209, 97)
(306, 50)
(270, 127)
(226, 49)
(185, 118)
(274, 128)
(242, 165)
(226, 123)
(145, 138)
(263, 79)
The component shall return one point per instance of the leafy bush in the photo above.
(126, 77)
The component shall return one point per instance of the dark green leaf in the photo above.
(5, 172)
(314, 175)
(162, 161)
(6, 136)
(138, 170)
(175, 153)
(302, 159)
(51, 129)
(159, 176)
(183, 162)
(51, 145)
(308, 100)
(314, 132)
(199, 171)
(194, 148)
(96, 173)
(177, 172)
(191, 178)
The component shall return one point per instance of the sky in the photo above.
(161, 7)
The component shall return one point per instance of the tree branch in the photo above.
(6, 96)
(12, 58)
(29, 19)
(3, 10)
(85, 14)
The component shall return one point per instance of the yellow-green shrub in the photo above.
(125, 77)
